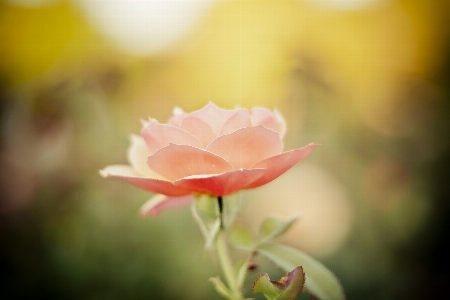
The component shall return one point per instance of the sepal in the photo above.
(287, 288)
(320, 282)
(204, 211)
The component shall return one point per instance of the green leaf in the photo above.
(240, 237)
(287, 288)
(272, 227)
(243, 268)
(270, 289)
(320, 281)
(221, 288)
(293, 285)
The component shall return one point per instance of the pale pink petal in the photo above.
(159, 203)
(144, 122)
(247, 146)
(220, 184)
(127, 173)
(281, 123)
(138, 154)
(279, 164)
(265, 117)
(198, 128)
(178, 116)
(240, 119)
(158, 136)
(214, 116)
(119, 171)
(262, 116)
(175, 121)
(178, 161)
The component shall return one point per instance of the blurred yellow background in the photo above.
(367, 79)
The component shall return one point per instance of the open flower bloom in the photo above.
(210, 151)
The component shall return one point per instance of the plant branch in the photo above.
(227, 266)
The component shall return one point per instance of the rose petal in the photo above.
(158, 136)
(262, 116)
(247, 146)
(137, 156)
(178, 116)
(198, 128)
(159, 186)
(178, 161)
(265, 117)
(277, 165)
(281, 123)
(240, 119)
(214, 116)
(220, 184)
(159, 203)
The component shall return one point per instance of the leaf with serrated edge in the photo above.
(221, 288)
(320, 281)
(287, 288)
(272, 227)
(270, 290)
(294, 284)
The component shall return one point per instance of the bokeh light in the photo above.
(323, 204)
(145, 26)
(348, 4)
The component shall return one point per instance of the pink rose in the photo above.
(210, 151)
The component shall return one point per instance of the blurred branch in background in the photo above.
(368, 80)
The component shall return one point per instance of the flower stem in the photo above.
(220, 202)
(244, 269)
(227, 266)
(224, 256)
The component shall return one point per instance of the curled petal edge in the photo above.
(246, 146)
(178, 161)
(279, 164)
(158, 135)
(154, 185)
(137, 155)
(160, 203)
(281, 123)
(221, 184)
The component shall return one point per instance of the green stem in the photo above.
(224, 257)
(244, 269)
(227, 266)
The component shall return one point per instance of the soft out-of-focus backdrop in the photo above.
(369, 80)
